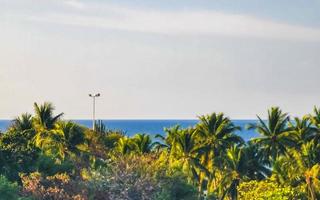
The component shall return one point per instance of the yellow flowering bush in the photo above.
(262, 190)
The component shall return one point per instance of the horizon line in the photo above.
(140, 119)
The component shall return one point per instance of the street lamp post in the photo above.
(93, 96)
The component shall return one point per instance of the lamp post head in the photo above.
(94, 95)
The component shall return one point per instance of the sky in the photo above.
(160, 59)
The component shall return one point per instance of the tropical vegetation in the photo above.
(43, 156)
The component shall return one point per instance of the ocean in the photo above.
(152, 127)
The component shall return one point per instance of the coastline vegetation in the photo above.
(43, 156)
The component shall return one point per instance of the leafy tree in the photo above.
(17, 152)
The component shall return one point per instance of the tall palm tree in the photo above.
(276, 136)
(218, 132)
(48, 138)
(187, 152)
(44, 118)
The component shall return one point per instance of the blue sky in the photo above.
(293, 11)
(160, 59)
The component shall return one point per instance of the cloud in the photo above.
(74, 4)
(201, 22)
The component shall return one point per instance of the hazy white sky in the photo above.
(160, 59)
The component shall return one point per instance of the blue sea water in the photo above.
(152, 127)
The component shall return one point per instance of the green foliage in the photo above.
(175, 187)
(59, 159)
(276, 136)
(44, 118)
(8, 190)
(138, 177)
(143, 143)
(17, 153)
(269, 190)
(111, 139)
(50, 166)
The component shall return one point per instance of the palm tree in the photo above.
(276, 136)
(143, 143)
(308, 160)
(44, 118)
(22, 123)
(218, 132)
(125, 146)
(73, 134)
(52, 143)
(303, 129)
(315, 121)
(242, 163)
(312, 176)
(256, 166)
(22, 129)
(187, 152)
(235, 167)
(48, 138)
(167, 141)
(301, 167)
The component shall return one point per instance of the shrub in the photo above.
(175, 188)
(138, 177)
(269, 190)
(8, 190)
(59, 186)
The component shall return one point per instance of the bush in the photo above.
(269, 190)
(175, 188)
(49, 165)
(59, 186)
(138, 177)
(8, 190)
